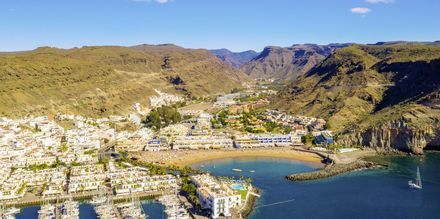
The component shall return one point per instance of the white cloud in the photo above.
(360, 10)
(379, 1)
(162, 1)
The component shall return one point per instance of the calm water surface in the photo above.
(153, 209)
(362, 194)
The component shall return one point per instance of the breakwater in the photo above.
(332, 170)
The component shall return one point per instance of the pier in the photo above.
(38, 200)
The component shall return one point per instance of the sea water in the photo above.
(380, 193)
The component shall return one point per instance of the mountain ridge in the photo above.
(103, 80)
(380, 96)
(288, 63)
(234, 59)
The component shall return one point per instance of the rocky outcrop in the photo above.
(288, 63)
(234, 59)
(395, 135)
(332, 170)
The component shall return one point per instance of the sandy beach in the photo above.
(184, 158)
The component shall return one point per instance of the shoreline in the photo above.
(188, 157)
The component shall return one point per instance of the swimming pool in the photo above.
(238, 186)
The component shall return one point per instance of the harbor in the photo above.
(380, 188)
(82, 196)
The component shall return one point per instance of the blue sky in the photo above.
(234, 24)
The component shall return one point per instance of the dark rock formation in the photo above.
(288, 63)
(234, 59)
(176, 80)
(331, 170)
(395, 135)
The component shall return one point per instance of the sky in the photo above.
(237, 25)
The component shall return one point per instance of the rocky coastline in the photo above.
(333, 170)
(250, 204)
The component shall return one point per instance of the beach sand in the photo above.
(187, 157)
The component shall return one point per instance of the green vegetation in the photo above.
(64, 147)
(220, 120)
(190, 192)
(35, 167)
(307, 139)
(243, 193)
(91, 151)
(22, 188)
(253, 98)
(162, 117)
(159, 169)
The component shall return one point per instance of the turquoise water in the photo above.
(362, 194)
(154, 210)
(238, 187)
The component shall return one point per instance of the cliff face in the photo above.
(395, 135)
(234, 59)
(288, 63)
(386, 97)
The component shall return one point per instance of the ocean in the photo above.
(377, 193)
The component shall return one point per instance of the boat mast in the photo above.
(419, 179)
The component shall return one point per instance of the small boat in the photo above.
(202, 165)
(417, 184)
(12, 210)
(100, 198)
(47, 211)
(9, 213)
(252, 171)
(237, 170)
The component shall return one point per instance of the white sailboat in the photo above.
(8, 213)
(417, 184)
(100, 198)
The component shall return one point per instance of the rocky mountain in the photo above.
(288, 63)
(383, 96)
(234, 59)
(103, 80)
(388, 43)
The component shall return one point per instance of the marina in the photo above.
(47, 211)
(131, 210)
(8, 213)
(174, 209)
(69, 210)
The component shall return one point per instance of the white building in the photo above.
(216, 196)
(202, 142)
(251, 141)
(138, 179)
(86, 178)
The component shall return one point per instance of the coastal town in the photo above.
(55, 161)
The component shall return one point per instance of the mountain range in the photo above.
(235, 59)
(103, 80)
(383, 96)
(278, 63)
